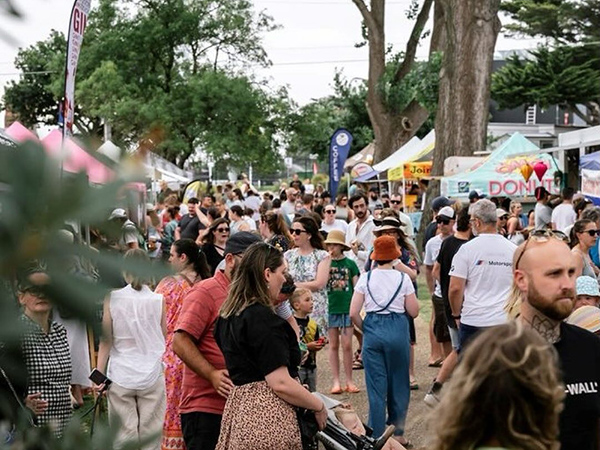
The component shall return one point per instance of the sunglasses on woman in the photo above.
(329, 211)
(297, 231)
(593, 233)
(222, 230)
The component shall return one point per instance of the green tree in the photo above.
(311, 127)
(168, 72)
(564, 71)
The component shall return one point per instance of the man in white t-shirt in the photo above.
(564, 215)
(445, 219)
(481, 275)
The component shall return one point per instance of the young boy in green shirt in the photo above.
(343, 276)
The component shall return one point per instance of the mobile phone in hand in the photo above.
(99, 378)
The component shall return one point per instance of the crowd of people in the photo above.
(223, 353)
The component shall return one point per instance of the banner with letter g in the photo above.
(338, 153)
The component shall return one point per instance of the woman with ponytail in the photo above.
(583, 237)
(189, 262)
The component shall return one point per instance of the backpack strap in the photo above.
(383, 308)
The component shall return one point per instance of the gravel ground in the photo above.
(418, 412)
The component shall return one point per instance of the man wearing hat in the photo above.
(130, 237)
(436, 204)
(206, 382)
(445, 220)
(475, 196)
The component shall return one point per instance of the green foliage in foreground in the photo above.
(36, 200)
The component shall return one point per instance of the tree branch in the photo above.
(413, 41)
(366, 14)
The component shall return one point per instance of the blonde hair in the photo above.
(513, 205)
(298, 295)
(514, 302)
(513, 394)
(249, 285)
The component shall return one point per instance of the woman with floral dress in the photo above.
(190, 265)
(308, 264)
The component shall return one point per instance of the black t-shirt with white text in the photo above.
(449, 247)
(579, 355)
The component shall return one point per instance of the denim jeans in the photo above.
(467, 333)
(386, 354)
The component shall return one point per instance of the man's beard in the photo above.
(551, 308)
(361, 214)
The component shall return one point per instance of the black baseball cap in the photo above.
(240, 241)
(476, 195)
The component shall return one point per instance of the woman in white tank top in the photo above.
(132, 345)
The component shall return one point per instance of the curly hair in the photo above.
(513, 394)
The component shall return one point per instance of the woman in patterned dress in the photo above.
(186, 259)
(47, 356)
(308, 264)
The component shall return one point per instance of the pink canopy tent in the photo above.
(20, 133)
(77, 159)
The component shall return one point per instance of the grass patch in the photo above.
(424, 298)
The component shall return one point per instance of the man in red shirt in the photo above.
(206, 382)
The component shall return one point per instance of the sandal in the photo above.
(414, 386)
(357, 365)
(437, 363)
(336, 391)
(352, 389)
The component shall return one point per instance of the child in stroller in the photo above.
(345, 431)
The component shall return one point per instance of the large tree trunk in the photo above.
(391, 130)
(469, 31)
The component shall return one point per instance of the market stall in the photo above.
(590, 176)
(514, 169)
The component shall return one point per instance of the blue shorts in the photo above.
(339, 321)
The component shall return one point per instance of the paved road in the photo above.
(418, 413)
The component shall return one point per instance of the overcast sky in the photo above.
(316, 37)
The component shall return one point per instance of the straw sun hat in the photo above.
(337, 237)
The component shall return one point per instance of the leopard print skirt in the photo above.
(255, 418)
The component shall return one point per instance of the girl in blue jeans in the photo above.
(386, 295)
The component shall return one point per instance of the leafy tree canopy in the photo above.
(172, 69)
(566, 70)
(312, 125)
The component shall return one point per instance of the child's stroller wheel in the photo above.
(389, 431)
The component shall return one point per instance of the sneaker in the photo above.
(432, 398)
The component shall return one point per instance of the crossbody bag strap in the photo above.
(19, 402)
(391, 299)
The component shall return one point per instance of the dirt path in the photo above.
(418, 412)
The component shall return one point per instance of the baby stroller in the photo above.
(336, 436)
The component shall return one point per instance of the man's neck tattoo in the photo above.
(548, 329)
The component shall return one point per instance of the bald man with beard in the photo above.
(545, 274)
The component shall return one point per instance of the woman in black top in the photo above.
(262, 357)
(214, 241)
